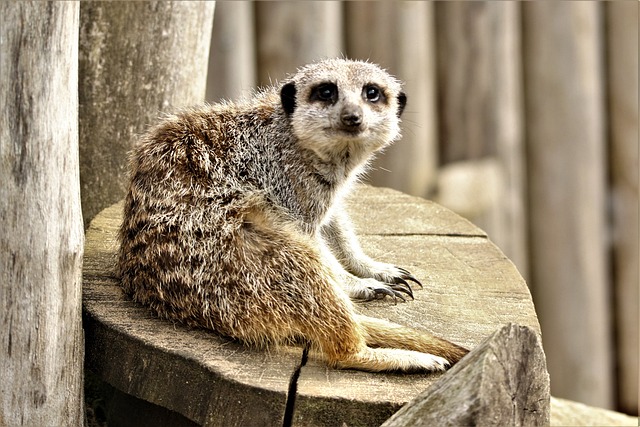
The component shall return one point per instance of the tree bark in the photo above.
(41, 354)
(567, 175)
(137, 61)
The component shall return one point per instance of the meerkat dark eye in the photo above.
(326, 92)
(372, 93)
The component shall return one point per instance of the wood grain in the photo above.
(41, 348)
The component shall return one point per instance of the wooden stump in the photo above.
(292, 34)
(568, 238)
(622, 50)
(471, 290)
(232, 63)
(481, 120)
(502, 382)
(411, 164)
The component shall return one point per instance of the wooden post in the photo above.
(402, 42)
(479, 74)
(622, 48)
(502, 382)
(566, 174)
(232, 62)
(41, 243)
(293, 33)
(137, 61)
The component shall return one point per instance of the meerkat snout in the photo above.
(351, 117)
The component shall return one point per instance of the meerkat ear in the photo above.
(288, 97)
(402, 102)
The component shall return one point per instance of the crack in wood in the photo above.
(292, 393)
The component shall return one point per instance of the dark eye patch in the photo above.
(325, 92)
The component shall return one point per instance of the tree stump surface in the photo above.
(471, 290)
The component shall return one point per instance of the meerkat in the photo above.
(234, 222)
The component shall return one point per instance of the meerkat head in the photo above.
(340, 107)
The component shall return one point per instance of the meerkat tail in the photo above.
(367, 344)
(346, 348)
(380, 333)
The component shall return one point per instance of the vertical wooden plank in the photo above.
(137, 60)
(41, 242)
(294, 33)
(399, 36)
(566, 174)
(232, 61)
(622, 48)
(510, 143)
(465, 81)
(480, 100)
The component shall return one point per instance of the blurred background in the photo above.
(522, 117)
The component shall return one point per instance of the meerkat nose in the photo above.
(351, 117)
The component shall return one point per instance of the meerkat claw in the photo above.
(379, 293)
(406, 275)
(397, 295)
(414, 280)
(401, 285)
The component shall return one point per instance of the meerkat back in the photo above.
(233, 220)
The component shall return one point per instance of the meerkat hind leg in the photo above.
(362, 357)
(342, 339)
(311, 305)
(391, 359)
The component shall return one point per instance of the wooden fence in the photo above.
(522, 117)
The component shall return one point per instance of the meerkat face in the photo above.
(339, 107)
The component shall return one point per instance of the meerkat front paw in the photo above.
(371, 289)
(389, 273)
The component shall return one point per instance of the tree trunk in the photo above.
(41, 241)
(622, 48)
(566, 174)
(137, 61)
